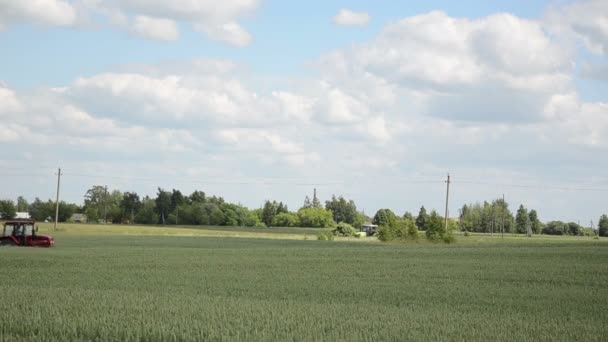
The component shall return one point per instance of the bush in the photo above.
(344, 229)
(400, 230)
(286, 220)
(260, 224)
(325, 236)
(449, 238)
(316, 218)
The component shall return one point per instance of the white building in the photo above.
(22, 215)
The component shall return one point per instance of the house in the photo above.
(78, 218)
(22, 215)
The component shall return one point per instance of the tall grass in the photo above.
(133, 288)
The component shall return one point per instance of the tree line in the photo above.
(173, 207)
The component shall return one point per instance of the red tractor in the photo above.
(23, 233)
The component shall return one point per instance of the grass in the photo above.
(148, 285)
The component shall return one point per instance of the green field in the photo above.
(145, 283)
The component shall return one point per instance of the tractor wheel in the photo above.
(7, 243)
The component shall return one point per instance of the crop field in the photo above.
(149, 283)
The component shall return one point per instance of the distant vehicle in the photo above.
(24, 234)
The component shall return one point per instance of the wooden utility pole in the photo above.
(447, 198)
(57, 198)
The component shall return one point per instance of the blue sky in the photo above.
(256, 100)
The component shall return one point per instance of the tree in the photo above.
(22, 205)
(41, 211)
(286, 220)
(147, 213)
(342, 210)
(555, 228)
(402, 230)
(435, 227)
(130, 205)
(535, 223)
(315, 201)
(603, 225)
(408, 216)
(163, 205)
(96, 202)
(197, 197)
(7, 209)
(385, 217)
(344, 229)
(316, 218)
(307, 204)
(177, 199)
(269, 212)
(521, 220)
(421, 219)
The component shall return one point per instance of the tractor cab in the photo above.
(24, 233)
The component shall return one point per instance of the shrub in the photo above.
(325, 236)
(344, 229)
(316, 218)
(286, 220)
(400, 230)
(260, 224)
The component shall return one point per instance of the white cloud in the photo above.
(350, 18)
(230, 32)
(9, 104)
(218, 20)
(39, 12)
(586, 21)
(155, 28)
(497, 68)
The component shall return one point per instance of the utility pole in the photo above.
(176, 215)
(447, 197)
(57, 198)
(105, 206)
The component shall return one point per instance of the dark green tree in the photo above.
(147, 214)
(22, 205)
(521, 220)
(603, 225)
(421, 219)
(41, 211)
(177, 199)
(342, 210)
(130, 205)
(7, 209)
(435, 227)
(163, 205)
(197, 197)
(269, 212)
(385, 217)
(535, 223)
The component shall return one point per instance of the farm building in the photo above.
(78, 218)
(22, 215)
(369, 228)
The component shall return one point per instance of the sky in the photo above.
(256, 100)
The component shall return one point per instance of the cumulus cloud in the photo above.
(462, 69)
(585, 21)
(155, 28)
(156, 19)
(38, 12)
(350, 18)
(230, 32)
